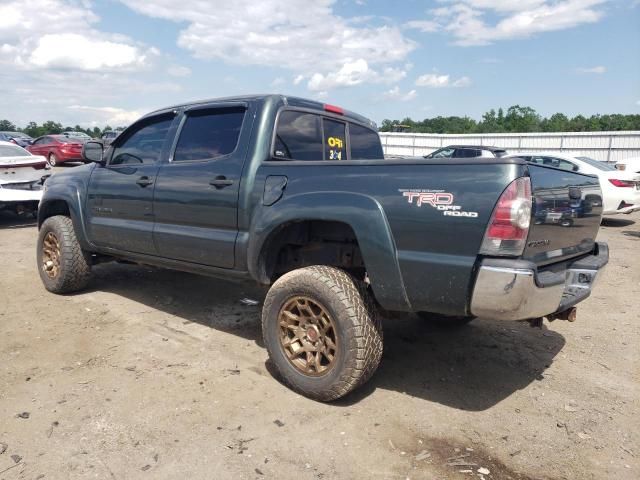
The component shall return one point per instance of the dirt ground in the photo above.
(163, 375)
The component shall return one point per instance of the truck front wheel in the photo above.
(322, 331)
(63, 266)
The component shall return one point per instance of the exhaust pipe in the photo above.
(571, 314)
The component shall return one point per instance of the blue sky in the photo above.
(109, 61)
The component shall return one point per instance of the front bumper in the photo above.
(516, 290)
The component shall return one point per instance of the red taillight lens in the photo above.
(622, 183)
(509, 225)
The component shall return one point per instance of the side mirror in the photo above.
(93, 152)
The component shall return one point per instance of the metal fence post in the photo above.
(609, 150)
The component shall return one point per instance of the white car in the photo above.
(629, 165)
(21, 178)
(620, 188)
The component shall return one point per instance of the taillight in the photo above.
(622, 183)
(509, 225)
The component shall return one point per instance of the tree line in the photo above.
(517, 119)
(51, 128)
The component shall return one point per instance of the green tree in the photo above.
(7, 126)
(51, 127)
(521, 119)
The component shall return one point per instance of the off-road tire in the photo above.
(52, 159)
(358, 328)
(74, 270)
(444, 321)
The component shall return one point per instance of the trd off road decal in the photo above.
(438, 199)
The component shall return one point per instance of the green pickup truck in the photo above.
(297, 195)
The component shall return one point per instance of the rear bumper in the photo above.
(628, 209)
(516, 290)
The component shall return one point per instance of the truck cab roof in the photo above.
(284, 100)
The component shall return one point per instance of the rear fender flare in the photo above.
(362, 213)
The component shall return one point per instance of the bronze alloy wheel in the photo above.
(51, 255)
(308, 336)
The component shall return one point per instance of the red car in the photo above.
(57, 149)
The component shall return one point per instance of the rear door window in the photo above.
(298, 136)
(365, 143)
(209, 134)
(467, 153)
(335, 140)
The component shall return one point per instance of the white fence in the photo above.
(605, 146)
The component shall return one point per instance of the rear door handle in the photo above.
(144, 181)
(220, 182)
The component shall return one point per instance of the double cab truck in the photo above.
(296, 195)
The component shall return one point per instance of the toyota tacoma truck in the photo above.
(296, 195)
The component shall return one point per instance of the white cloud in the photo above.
(178, 71)
(396, 95)
(461, 82)
(307, 38)
(433, 80)
(599, 69)
(54, 34)
(466, 20)
(354, 73)
(75, 51)
(108, 115)
(426, 26)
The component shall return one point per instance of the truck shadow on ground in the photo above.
(616, 222)
(469, 368)
(472, 367)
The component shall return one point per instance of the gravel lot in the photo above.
(158, 374)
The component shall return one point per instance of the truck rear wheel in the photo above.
(322, 331)
(63, 266)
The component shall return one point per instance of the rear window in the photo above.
(365, 143)
(335, 143)
(607, 167)
(209, 134)
(10, 151)
(309, 136)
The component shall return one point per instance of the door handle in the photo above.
(144, 181)
(220, 182)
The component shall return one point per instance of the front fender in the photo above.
(71, 194)
(362, 213)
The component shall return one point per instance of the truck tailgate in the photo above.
(567, 208)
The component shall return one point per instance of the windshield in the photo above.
(11, 151)
(596, 163)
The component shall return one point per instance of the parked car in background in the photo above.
(21, 178)
(629, 165)
(620, 189)
(57, 149)
(110, 136)
(78, 135)
(468, 151)
(19, 138)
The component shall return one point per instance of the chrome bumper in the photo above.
(515, 290)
